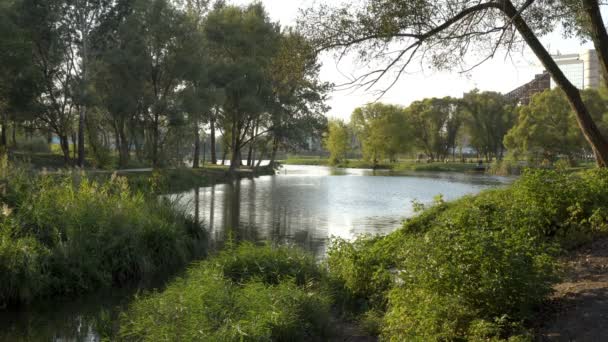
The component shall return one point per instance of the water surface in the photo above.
(308, 204)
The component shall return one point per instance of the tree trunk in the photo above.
(250, 154)
(204, 152)
(123, 152)
(587, 125)
(14, 135)
(74, 144)
(3, 141)
(273, 155)
(197, 146)
(81, 127)
(235, 153)
(598, 34)
(83, 107)
(65, 148)
(155, 138)
(260, 160)
(212, 142)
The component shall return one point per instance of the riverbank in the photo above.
(181, 179)
(397, 166)
(142, 177)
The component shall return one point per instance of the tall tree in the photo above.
(336, 141)
(164, 34)
(297, 106)
(244, 41)
(119, 78)
(447, 31)
(382, 130)
(435, 123)
(53, 60)
(489, 118)
(81, 18)
(18, 78)
(546, 129)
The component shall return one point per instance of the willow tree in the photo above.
(448, 32)
(243, 42)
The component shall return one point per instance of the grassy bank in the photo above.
(245, 293)
(474, 269)
(182, 179)
(141, 177)
(403, 165)
(68, 234)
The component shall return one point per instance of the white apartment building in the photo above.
(582, 69)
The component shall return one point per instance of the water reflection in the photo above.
(307, 204)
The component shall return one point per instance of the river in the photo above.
(302, 205)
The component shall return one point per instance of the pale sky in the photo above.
(499, 74)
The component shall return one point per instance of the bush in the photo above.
(248, 293)
(458, 268)
(76, 235)
(34, 145)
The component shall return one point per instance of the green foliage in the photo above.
(435, 124)
(247, 293)
(34, 145)
(336, 141)
(489, 116)
(475, 268)
(382, 130)
(65, 235)
(547, 129)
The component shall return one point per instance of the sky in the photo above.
(500, 74)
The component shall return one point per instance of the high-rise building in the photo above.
(582, 69)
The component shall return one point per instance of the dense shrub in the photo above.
(475, 268)
(63, 235)
(34, 145)
(245, 294)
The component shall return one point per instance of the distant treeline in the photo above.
(483, 125)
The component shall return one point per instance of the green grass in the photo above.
(246, 293)
(67, 234)
(473, 269)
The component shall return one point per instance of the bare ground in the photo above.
(578, 311)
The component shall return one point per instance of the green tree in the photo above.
(298, 106)
(435, 124)
(50, 36)
(489, 117)
(382, 130)
(336, 141)
(19, 82)
(243, 41)
(546, 129)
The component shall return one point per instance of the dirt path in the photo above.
(579, 308)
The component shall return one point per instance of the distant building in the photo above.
(582, 69)
(524, 93)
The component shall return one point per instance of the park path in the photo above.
(578, 310)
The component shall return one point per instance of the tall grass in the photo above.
(246, 293)
(476, 268)
(67, 234)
